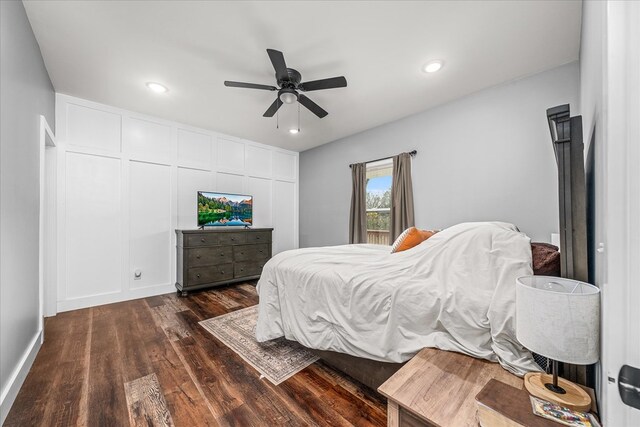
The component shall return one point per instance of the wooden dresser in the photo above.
(215, 257)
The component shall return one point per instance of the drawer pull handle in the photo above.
(242, 269)
(241, 253)
(221, 254)
(202, 240)
(257, 238)
(198, 276)
(260, 251)
(198, 256)
(221, 272)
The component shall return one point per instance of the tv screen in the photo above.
(224, 209)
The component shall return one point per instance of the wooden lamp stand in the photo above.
(557, 390)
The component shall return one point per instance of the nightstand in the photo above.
(438, 388)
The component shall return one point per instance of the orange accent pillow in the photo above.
(409, 238)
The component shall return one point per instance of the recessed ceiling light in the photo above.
(432, 66)
(157, 87)
(294, 131)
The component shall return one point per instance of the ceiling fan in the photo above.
(288, 81)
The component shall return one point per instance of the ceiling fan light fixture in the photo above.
(432, 66)
(288, 97)
(157, 87)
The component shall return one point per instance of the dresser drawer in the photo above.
(250, 252)
(201, 239)
(259, 237)
(245, 269)
(232, 238)
(214, 273)
(209, 256)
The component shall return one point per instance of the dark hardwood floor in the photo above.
(148, 362)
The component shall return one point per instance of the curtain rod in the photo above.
(411, 153)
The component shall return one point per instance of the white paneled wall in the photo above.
(285, 198)
(150, 223)
(93, 211)
(190, 181)
(127, 181)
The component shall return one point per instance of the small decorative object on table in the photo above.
(563, 415)
(501, 405)
(559, 319)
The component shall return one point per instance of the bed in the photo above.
(368, 311)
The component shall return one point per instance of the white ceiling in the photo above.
(105, 51)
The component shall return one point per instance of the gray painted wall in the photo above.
(26, 94)
(487, 156)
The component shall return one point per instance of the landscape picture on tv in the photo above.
(223, 209)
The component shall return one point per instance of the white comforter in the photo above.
(455, 291)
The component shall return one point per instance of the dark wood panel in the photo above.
(211, 274)
(201, 239)
(209, 256)
(249, 268)
(251, 252)
(93, 357)
(233, 238)
(60, 365)
(259, 237)
(106, 396)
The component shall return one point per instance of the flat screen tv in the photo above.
(224, 209)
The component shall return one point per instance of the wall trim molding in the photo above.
(47, 280)
(113, 297)
(18, 376)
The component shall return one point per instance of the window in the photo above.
(379, 178)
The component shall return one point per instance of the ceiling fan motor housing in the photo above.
(294, 79)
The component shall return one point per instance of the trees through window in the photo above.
(379, 179)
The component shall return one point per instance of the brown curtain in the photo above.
(358, 215)
(401, 196)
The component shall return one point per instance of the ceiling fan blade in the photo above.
(331, 83)
(277, 59)
(273, 108)
(249, 85)
(312, 106)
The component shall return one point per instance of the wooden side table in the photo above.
(438, 388)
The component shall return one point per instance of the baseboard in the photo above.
(18, 376)
(110, 298)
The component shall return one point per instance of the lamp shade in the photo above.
(558, 318)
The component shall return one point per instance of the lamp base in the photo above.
(574, 397)
(555, 388)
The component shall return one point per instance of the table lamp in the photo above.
(559, 319)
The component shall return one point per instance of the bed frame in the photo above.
(371, 373)
(566, 137)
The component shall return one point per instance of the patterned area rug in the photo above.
(276, 360)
